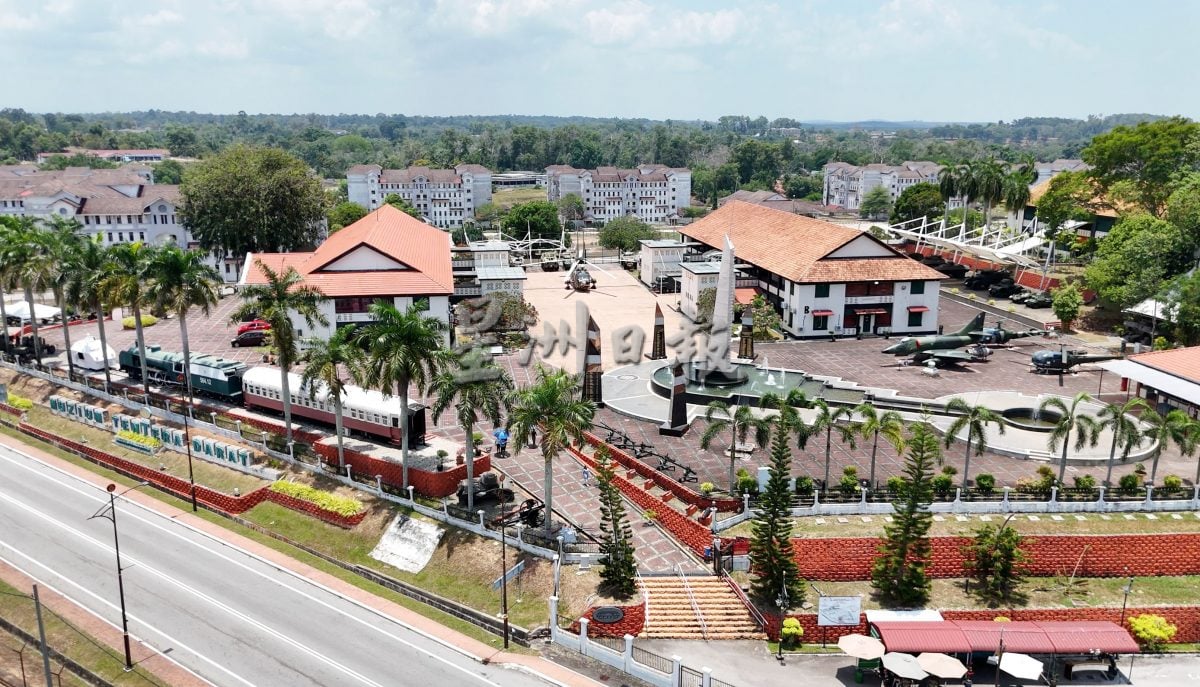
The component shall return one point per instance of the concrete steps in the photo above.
(671, 614)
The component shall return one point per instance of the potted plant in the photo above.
(441, 455)
(459, 459)
(650, 516)
(477, 442)
(706, 488)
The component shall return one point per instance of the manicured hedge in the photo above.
(341, 505)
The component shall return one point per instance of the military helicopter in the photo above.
(1050, 362)
(579, 278)
(998, 335)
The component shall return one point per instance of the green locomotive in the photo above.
(211, 375)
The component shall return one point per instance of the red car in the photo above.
(254, 326)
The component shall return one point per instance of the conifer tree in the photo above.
(772, 564)
(619, 576)
(899, 575)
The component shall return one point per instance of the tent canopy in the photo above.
(21, 309)
(1030, 637)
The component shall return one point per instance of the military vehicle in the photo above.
(945, 347)
(998, 335)
(1050, 362)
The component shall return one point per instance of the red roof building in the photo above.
(824, 278)
(386, 255)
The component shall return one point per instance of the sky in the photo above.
(843, 60)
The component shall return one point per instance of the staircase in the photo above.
(675, 600)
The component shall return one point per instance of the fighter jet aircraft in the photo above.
(998, 335)
(944, 347)
(1048, 362)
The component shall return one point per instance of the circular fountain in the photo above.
(1031, 419)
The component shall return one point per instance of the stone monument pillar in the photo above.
(722, 317)
(746, 340)
(676, 423)
(593, 370)
(658, 346)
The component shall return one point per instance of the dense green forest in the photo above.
(332, 143)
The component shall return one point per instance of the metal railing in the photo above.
(652, 660)
(689, 677)
(741, 595)
(692, 597)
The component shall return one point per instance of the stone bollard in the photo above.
(379, 484)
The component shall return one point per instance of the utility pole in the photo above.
(504, 579)
(37, 608)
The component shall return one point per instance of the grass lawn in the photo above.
(17, 608)
(214, 476)
(1093, 524)
(506, 198)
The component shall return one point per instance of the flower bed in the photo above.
(339, 505)
(137, 442)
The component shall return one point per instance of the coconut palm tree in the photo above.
(62, 243)
(402, 348)
(827, 420)
(92, 265)
(738, 421)
(30, 256)
(987, 183)
(975, 420)
(1115, 417)
(127, 284)
(872, 423)
(476, 387)
(179, 281)
(283, 294)
(1016, 193)
(952, 183)
(328, 365)
(7, 224)
(553, 406)
(1071, 419)
(1173, 427)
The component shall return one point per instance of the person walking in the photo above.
(587, 476)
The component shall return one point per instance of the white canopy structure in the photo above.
(1000, 245)
(20, 309)
(87, 354)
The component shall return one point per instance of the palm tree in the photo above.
(127, 284)
(7, 224)
(987, 182)
(1174, 427)
(274, 302)
(975, 420)
(477, 387)
(62, 243)
(1016, 193)
(179, 281)
(873, 424)
(92, 266)
(324, 364)
(29, 258)
(952, 183)
(1070, 419)
(1115, 418)
(739, 420)
(827, 420)
(553, 405)
(402, 349)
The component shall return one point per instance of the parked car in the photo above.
(253, 337)
(254, 326)
(1038, 300)
(1004, 289)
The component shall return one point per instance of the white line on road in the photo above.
(93, 495)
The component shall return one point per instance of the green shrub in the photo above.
(1172, 483)
(943, 484)
(985, 483)
(20, 402)
(140, 439)
(1152, 632)
(147, 321)
(342, 505)
(949, 470)
(792, 634)
(746, 484)
(707, 488)
(1130, 483)
(895, 483)
(804, 485)
(848, 484)
(1085, 482)
(850, 471)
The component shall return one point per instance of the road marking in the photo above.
(98, 498)
(108, 603)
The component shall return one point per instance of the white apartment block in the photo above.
(116, 205)
(846, 185)
(652, 193)
(445, 197)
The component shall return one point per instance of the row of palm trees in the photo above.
(1132, 423)
(989, 181)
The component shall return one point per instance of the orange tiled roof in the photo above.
(1180, 362)
(423, 249)
(795, 247)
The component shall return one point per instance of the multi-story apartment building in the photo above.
(116, 205)
(118, 156)
(446, 197)
(652, 193)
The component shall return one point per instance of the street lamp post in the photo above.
(781, 601)
(504, 579)
(1127, 589)
(110, 513)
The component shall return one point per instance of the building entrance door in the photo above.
(866, 323)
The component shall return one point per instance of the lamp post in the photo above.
(1127, 589)
(504, 579)
(782, 602)
(187, 442)
(110, 513)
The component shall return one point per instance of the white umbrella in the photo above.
(861, 646)
(942, 665)
(904, 665)
(1021, 666)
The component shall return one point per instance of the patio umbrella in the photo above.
(861, 646)
(905, 666)
(1021, 666)
(941, 665)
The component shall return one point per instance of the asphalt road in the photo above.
(223, 613)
